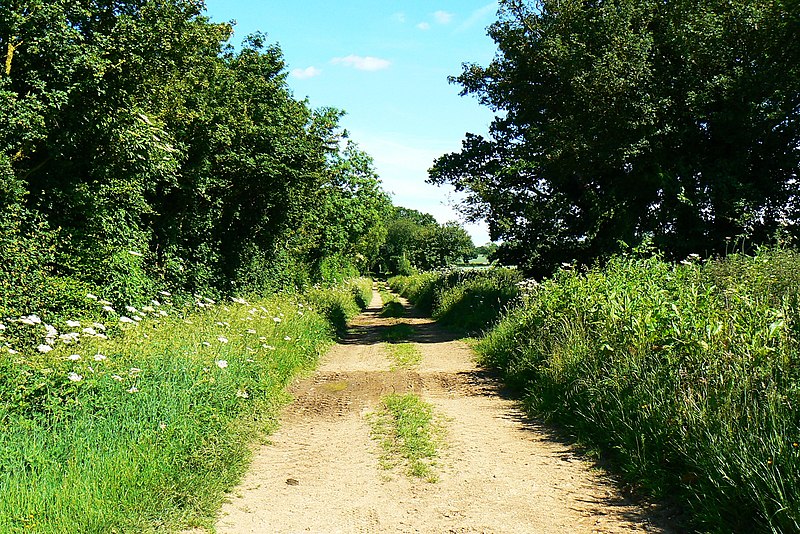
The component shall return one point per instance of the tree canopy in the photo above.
(623, 121)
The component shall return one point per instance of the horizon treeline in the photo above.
(140, 151)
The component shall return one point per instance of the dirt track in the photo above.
(500, 472)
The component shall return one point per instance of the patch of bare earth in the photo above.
(499, 472)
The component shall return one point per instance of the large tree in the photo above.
(626, 120)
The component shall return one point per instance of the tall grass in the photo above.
(146, 430)
(469, 301)
(688, 376)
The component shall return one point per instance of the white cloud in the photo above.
(368, 63)
(443, 17)
(480, 15)
(304, 74)
(424, 26)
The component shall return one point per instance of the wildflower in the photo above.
(206, 344)
(130, 309)
(134, 253)
(99, 326)
(241, 394)
(108, 309)
(262, 338)
(91, 297)
(287, 338)
(165, 293)
(71, 337)
(44, 349)
(104, 302)
(251, 331)
(276, 319)
(209, 300)
(117, 378)
(268, 347)
(187, 321)
(30, 320)
(154, 302)
(74, 324)
(74, 377)
(2, 327)
(162, 313)
(133, 389)
(148, 309)
(222, 339)
(12, 351)
(89, 331)
(135, 370)
(219, 324)
(162, 426)
(125, 319)
(74, 357)
(101, 336)
(240, 301)
(137, 318)
(222, 364)
(100, 357)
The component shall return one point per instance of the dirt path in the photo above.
(499, 472)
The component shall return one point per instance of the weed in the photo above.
(404, 355)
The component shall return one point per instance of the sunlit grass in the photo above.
(404, 355)
(145, 430)
(409, 434)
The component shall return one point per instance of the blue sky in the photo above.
(386, 64)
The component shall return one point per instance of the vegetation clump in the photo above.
(144, 425)
(685, 375)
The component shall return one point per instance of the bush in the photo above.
(688, 375)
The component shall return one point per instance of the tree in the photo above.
(625, 120)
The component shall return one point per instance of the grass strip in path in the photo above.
(403, 355)
(409, 434)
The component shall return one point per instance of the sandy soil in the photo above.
(500, 472)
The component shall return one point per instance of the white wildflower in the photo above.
(222, 364)
(44, 349)
(240, 301)
(206, 344)
(137, 318)
(74, 357)
(99, 326)
(89, 331)
(74, 377)
(268, 347)
(125, 319)
(148, 309)
(287, 338)
(2, 327)
(135, 370)
(91, 297)
(130, 309)
(219, 324)
(251, 331)
(276, 319)
(117, 378)
(162, 426)
(165, 293)
(134, 253)
(222, 339)
(162, 313)
(105, 302)
(12, 351)
(74, 324)
(133, 389)
(241, 394)
(100, 357)
(108, 309)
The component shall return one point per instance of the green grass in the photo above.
(404, 355)
(687, 377)
(397, 332)
(409, 434)
(147, 429)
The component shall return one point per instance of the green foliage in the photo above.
(471, 301)
(342, 302)
(686, 375)
(623, 120)
(415, 241)
(145, 431)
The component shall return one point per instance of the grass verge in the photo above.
(409, 434)
(145, 431)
